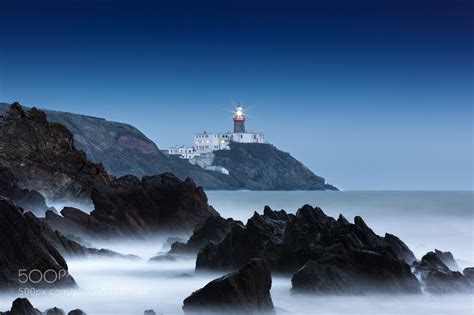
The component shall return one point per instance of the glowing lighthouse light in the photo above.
(239, 120)
(239, 113)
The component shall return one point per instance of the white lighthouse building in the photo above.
(209, 142)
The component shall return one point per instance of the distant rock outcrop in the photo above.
(26, 250)
(329, 255)
(246, 291)
(123, 150)
(259, 166)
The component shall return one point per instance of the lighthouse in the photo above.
(239, 120)
(208, 142)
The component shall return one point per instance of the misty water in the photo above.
(423, 220)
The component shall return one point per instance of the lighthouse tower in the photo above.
(239, 120)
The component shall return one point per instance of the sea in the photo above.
(424, 220)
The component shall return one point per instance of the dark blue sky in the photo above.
(369, 94)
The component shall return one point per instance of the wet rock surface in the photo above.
(22, 306)
(42, 157)
(436, 276)
(23, 248)
(355, 258)
(214, 229)
(261, 166)
(246, 291)
(469, 274)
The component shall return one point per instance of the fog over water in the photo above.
(424, 220)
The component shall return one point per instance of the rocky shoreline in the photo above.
(322, 255)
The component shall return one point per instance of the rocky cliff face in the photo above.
(123, 149)
(41, 156)
(258, 166)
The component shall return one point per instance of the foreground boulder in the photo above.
(328, 255)
(438, 278)
(23, 249)
(246, 291)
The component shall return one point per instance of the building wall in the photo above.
(209, 142)
(183, 152)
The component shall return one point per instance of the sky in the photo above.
(370, 94)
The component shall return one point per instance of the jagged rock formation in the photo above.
(129, 207)
(246, 291)
(437, 278)
(25, 249)
(22, 306)
(469, 274)
(213, 229)
(123, 150)
(258, 166)
(42, 157)
(352, 253)
(68, 247)
(448, 259)
(38, 155)
(55, 311)
(30, 200)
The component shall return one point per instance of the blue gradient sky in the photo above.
(369, 94)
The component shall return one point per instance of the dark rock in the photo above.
(247, 290)
(214, 229)
(161, 203)
(170, 241)
(448, 259)
(149, 312)
(437, 278)
(76, 312)
(469, 274)
(68, 247)
(259, 166)
(30, 200)
(361, 272)
(55, 311)
(23, 248)
(400, 249)
(22, 306)
(352, 254)
(42, 157)
(258, 239)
